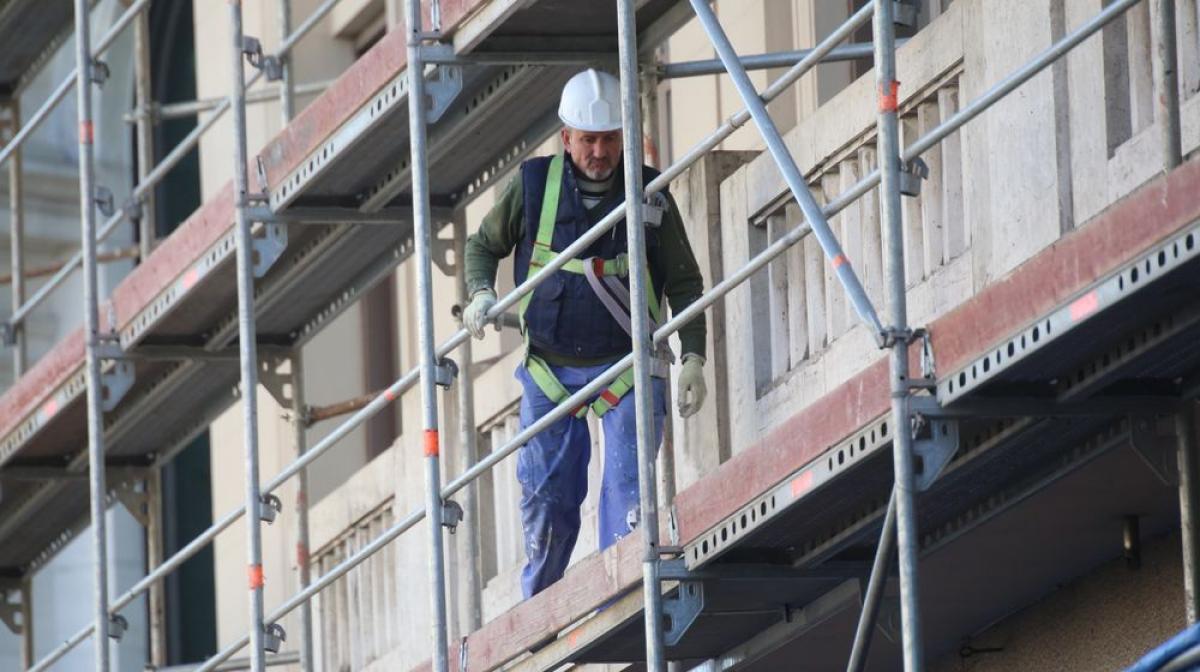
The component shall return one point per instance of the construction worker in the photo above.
(576, 324)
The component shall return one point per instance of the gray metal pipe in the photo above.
(1189, 508)
(874, 597)
(1167, 71)
(247, 340)
(16, 244)
(144, 128)
(98, 488)
(467, 437)
(787, 166)
(639, 289)
(422, 233)
(303, 561)
(194, 108)
(902, 455)
(779, 59)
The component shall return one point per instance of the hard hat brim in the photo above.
(590, 128)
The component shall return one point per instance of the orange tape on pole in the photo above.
(431, 443)
(889, 96)
(302, 555)
(839, 261)
(255, 574)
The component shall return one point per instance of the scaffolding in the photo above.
(434, 75)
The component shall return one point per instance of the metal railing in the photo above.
(894, 336)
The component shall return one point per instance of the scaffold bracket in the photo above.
(1154, 441)
(271, 66)
(681, 610)
(268, 244)
(935, 440)
(278, 384)
(445, 86)
(442, 253)
(10, 611)
(135, 501)
(115, 383)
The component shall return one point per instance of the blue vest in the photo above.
(564, 316)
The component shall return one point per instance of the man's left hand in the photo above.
(691, 385)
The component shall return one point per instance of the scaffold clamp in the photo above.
(273, 637)
(8, 334)
(445, 372)
(912, 173)
(271, 66)
(103, 197)
(98, 72)
(452, 515)
(133, 208)
(117, 627)
(269, 508)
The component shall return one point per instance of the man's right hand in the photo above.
(475, 316)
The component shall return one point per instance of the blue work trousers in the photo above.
(553, 471)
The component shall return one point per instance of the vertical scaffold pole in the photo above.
(16, 208)
(1189, 507)
(287, 109)
(1166, 68)
(642, 348)
(28, 650)
(303, 566)
(422, 232)
(91, 326)
(467, 435)
(889, 164)
(154, 559)
(246, 346)
(144, 100)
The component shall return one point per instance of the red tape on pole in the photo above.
(255, 574)
(889, 96)
(431, 443)
(87, 132)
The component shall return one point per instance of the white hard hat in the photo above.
(591, 101)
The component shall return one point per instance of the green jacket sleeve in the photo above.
(501, 230)
(683, 283)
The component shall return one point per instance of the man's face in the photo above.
(596, 154)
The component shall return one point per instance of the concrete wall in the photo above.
(1105, 620)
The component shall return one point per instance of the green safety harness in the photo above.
(604, 277)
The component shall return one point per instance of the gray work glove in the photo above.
(475, 316)
(691, 388)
